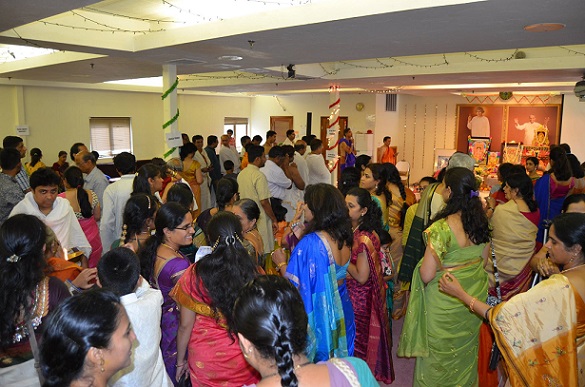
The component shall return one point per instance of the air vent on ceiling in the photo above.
(391, 100)
(186, 62)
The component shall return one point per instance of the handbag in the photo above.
(35, 350)
(185, 380)
(493, 301)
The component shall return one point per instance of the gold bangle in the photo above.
(471, 303)
(280, 265)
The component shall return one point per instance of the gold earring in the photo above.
(102, 362)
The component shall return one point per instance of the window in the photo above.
(239, 126)
(110, 135)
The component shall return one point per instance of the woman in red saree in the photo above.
(373, 341)
(207, 293)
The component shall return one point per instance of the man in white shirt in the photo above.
(299, 159)
(119, 272)
(278, 182)
(298, 172)
(228, 153)
(115, 198)
(290, 138)
(479, 125)
(95, 179)
(318, 171)
(529, 128)
(54, 211)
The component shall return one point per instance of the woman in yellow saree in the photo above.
(439, 330)
(541, 333)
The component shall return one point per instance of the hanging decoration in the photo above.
(422, 159)
(528, 99)
(331, 155)
(573, 51)
(443, 63)
(509, 58)
(505, 95)
(174, 118)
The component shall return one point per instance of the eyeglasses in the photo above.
(187, 227)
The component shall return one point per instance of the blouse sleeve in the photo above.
(183, 291)
(438, 238)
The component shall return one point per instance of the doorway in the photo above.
(280, 124)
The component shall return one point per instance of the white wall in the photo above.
(573, 125)
(425, 124)
(262, 107)
(60, 117)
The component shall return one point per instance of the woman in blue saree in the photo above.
(551, 189)
(318, 267)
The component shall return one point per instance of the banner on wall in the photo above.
(23, 130)
(174, 139)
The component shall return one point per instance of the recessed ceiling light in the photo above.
(544, 27)
(229, 57)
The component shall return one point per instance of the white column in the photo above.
(170, 105)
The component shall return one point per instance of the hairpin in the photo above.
(13, 258)
(124, 232)
(215, 244)
(473, 194)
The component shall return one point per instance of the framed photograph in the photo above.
(534, 126)
(479, 121)
(478, 148)
(511, 152)
(442, 158)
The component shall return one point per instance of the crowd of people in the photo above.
(227, 268)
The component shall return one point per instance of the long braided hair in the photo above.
(269, 312)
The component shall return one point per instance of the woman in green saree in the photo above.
(439, 330)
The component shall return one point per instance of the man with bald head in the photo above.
(94, 179)
(228, 153)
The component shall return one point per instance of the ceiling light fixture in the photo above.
(544, 27)
(229, 57)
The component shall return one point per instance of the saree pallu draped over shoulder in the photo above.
(541, 334)
(312, 270)
(214, 357)
(373, 340)
(439, 329)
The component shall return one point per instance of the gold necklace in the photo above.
(572, 268)
(169, 247)
(295, 368)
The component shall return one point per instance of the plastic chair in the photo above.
(404, 170)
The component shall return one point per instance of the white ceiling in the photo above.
(363, 46)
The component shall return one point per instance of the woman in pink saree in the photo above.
(373, 341)
(87, 210)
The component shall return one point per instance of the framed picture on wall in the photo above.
(534, 125)
(479, 121)
(442, 157)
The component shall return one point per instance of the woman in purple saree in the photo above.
(162, 264)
